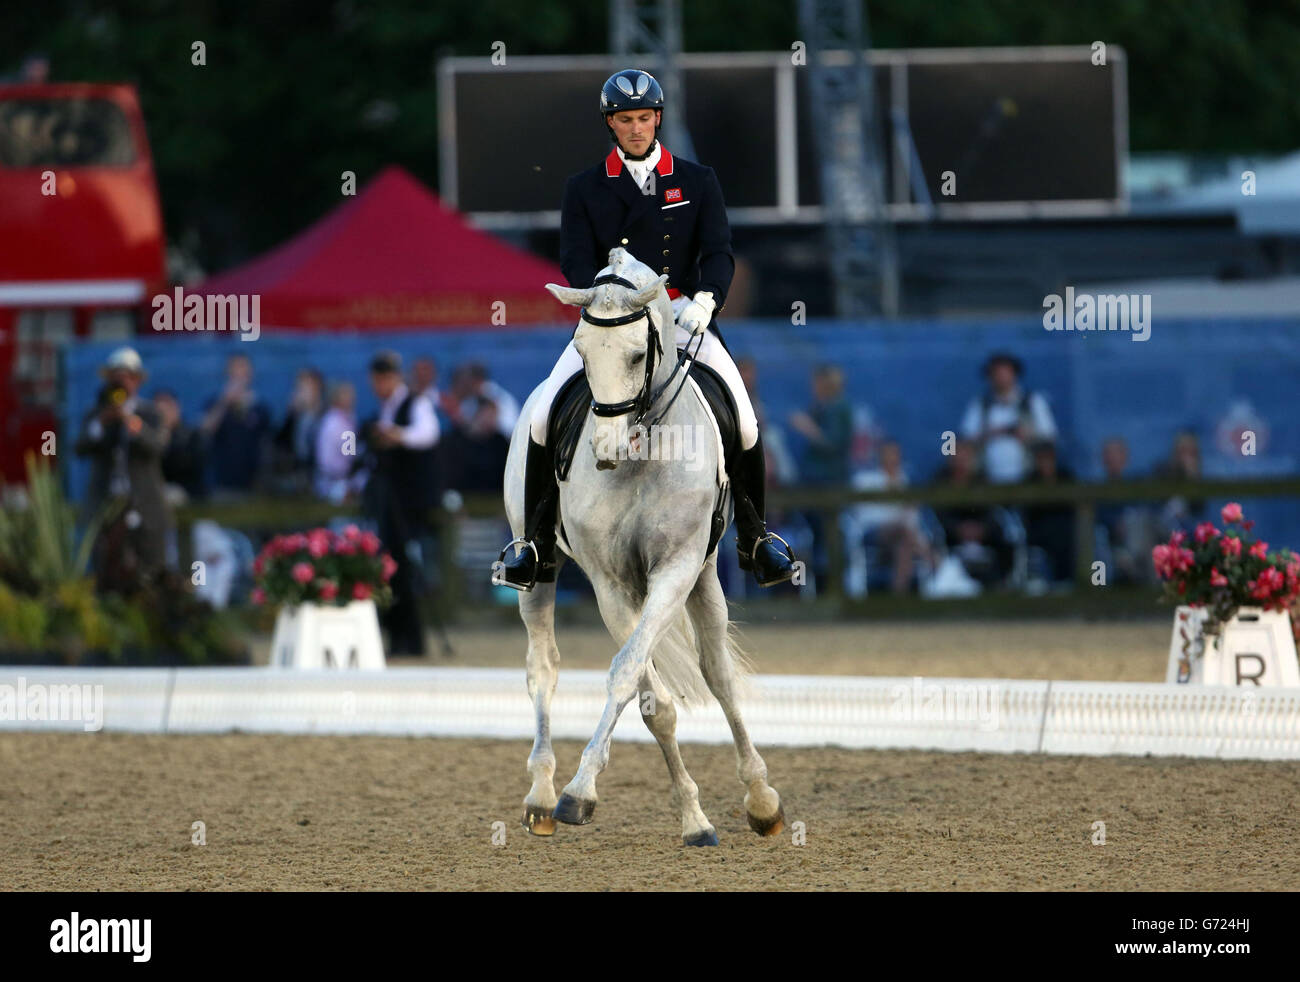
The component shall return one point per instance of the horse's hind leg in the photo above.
(661, 720)
(537, 610)
(708, 609)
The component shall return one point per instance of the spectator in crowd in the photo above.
(295, 440)
(475, 453)
(972, 532)
(124, 437)
(236, 424)
(1184, 464)
(400, 491)
(828, 427)
(182, 460)
(781, 467)
(471, 383)
(1126, 526)
(895, 527)
(424, 379)
(338, 473)
(1050, 527)
(1006, 420)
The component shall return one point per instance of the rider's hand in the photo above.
(695, 316)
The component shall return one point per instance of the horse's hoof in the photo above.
(770, 826)
(706, 838)
(538, 820)
(573, 811)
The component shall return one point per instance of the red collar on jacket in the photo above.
(614, 163)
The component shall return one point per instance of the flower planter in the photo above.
(1255, 647)
(316, 636)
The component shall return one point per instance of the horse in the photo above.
(639, 526)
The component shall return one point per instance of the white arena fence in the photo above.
(988, 715)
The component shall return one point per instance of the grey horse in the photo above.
(638, 523)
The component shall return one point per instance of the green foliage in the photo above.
(250, 147)
(38, 547)
(49, 608)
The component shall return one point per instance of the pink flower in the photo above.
(370, 543)
(259, 564)
(1259, 550)
(1160, 557)
(1231, 512)
(1230, 545)
(1269, 581)
(292, 543)
(1205, 532)
(345, 549)
(390, 567)
(258, 595)
(302, 572)
(360, 591)
(1217, 578)
(328, 589)
(1178, 538)
(318, 543)
(352, 533)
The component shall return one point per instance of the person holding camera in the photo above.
(125, 439)
(1006, 421)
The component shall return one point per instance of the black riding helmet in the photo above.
(630, 88)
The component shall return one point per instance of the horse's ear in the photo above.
(570, 295)
(648, 293)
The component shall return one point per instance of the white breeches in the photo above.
(712, 353)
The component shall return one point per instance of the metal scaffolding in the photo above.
(864, 258)
(653, 31)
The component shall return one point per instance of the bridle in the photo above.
(642, 402)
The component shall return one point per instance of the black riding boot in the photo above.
(761, 552)
(541, 498)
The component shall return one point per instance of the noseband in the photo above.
(646, 397)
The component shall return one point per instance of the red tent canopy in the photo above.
(393, 256)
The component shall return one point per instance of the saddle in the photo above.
(569, 411)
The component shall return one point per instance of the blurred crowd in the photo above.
(1008, 436)
(316, 445)
(394, 466)
(427, 440)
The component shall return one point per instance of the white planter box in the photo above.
(316, 636)
(1254, 648)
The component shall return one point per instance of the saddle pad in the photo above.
(569, 413)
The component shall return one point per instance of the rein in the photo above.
(642, 402)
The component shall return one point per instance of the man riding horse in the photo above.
(669, 213)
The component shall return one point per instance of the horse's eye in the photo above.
(637, 359)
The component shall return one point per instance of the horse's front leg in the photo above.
(537, 610)
(665, 600)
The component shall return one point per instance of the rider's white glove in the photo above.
(695, 316)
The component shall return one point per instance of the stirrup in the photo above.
(768, 536)
(499, 567)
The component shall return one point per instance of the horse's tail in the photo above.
(677, 660)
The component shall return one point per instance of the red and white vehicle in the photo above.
(81, 240)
